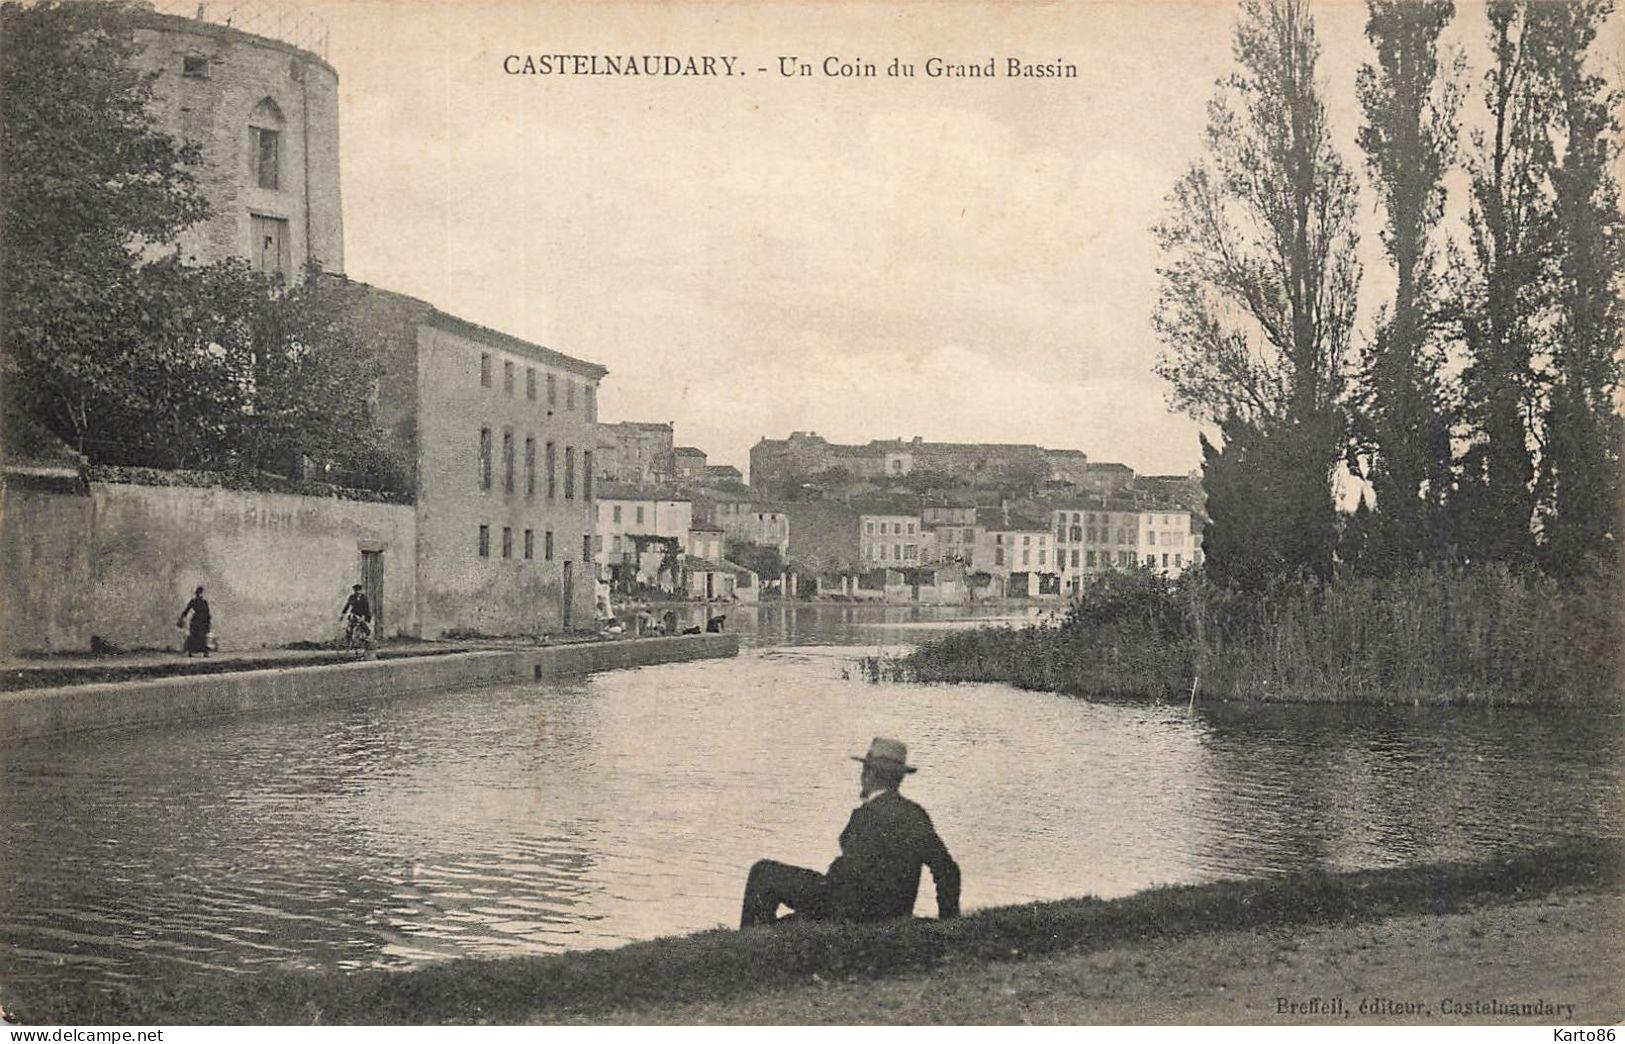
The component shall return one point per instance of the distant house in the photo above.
(1015, 550)
(636, 452)
(688, 463)
(642, 532)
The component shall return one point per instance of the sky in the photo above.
(963, 260)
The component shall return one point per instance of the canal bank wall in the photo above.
(35, 713)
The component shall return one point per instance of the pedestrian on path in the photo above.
(197, 638)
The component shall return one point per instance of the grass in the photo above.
(1446, 636)
(719, 965)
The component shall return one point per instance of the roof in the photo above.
(632, 491)
(639, 425)
(1107, 466)
(704, 565)
(688, 451)
(429, 315)
(998, 520)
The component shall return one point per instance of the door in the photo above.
(569, 592)
(372, 584)
(269, 252)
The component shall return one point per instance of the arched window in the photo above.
(265, 144)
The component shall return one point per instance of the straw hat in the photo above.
(887, 753)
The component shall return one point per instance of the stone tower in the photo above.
(266, 115)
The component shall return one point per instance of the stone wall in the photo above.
(121, 561)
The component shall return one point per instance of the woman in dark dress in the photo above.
(197, 639)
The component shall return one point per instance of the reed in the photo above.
(1482, 636)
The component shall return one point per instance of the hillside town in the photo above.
(886, 521)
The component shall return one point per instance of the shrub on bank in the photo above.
(1446, 635)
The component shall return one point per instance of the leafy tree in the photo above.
(1258, 291)
(1263, 524)
(1409, 134)
(84, 180)
(1579, 483)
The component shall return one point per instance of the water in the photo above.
(539, 818)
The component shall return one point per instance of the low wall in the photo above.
(32, 713)
(120, 562)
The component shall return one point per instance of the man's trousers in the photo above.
(772, 884)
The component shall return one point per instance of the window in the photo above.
(530, 383)
(897, 552)
(1150, 560)
(507, 462)
(569, 473)
(267, 144)
(1075, 558)
(552, 390)
(1179, 560)
(869, 528)
(970, 536)
(484, 472)
(547, 545)
(1060, 534)
(1088, 559)
(1165, 560)
(911, 529)
(1041, 555)
(910, 552)
(485, 369)
(1026, 541)
(507, 377)
(1026, 557)
(998, 556)
(586, 548)
(1151, 537)
(552, 471)
(530, 543)
(195, 66)
(640, 514)
(485, 541)
(1077, 532)
(617, 515)
(586, 474)
(591, 392)
(507, 541)
(569, 394)
(530, 467)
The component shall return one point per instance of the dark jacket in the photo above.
(884, 845)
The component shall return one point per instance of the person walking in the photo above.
(877, 875)
(197, 638)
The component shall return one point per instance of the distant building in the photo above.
(1096, 536)
(721, 474)
(636, 452)
(891, 539)
(1015, 550)
(779, 465)
(688, 463)
(500, 435)
(1107, 479)
(641, 535)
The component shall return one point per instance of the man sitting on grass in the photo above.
(877, 874)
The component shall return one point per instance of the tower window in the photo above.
(266, 146)
(194, 65)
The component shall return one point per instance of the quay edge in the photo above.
(37, 713)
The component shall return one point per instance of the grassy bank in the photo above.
(722, 966)
(1477, 637)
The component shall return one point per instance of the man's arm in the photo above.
(944, 872)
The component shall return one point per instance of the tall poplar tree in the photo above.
(1258, 296)
(1508, 289)
(1579, 483)
(1410, 104)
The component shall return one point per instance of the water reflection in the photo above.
(537, 818)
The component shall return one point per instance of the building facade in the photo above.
(500, 433)
(636, 452)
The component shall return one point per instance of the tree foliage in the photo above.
(1258, 286)
(126, 353)
(1409, 101)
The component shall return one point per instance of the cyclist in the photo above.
(357, 616)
